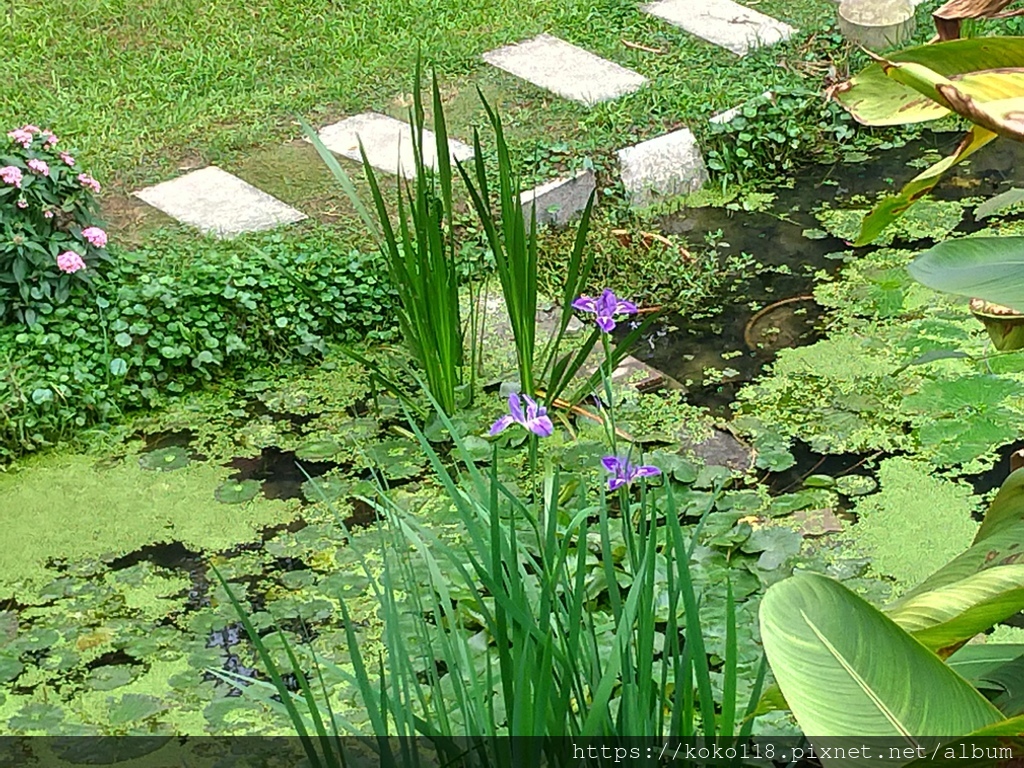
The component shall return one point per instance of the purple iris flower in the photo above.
(624, 472)
(606, 307)
(535, 419)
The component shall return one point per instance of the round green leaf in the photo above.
(856, 485)
(237, 491)
(165, 459)
(318, 450)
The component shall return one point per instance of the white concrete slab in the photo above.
(663, 167)
(388, 143)
(723, 23)
(565, 69)
(558, 201)
(213, 200)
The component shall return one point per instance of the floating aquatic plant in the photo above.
(237, 491)
(318, 450)
(165, 459)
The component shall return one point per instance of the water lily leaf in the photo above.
(10, 668)
(318, 450)
(37, 716)
(477, 448)
(109, 677)
(397, 459)
(133, 707)
(856, 485)
(328, 489)
(165, 459)
(819, 481)
(776, 545)
(237, 491)
(8, 626)
(105, 750)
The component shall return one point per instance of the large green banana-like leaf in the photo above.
(975, 661)
(1004, 117)
(846, 669)
(1007, 508)
(1005, 547)
(873, 98)
(890, 208)
(989, 268)
(944, 618)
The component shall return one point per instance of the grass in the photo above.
(147, 87)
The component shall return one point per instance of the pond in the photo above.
(110, 613)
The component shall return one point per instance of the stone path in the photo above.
(723, 22)
(562, 68)
(218, 203)
(215, 201)
(388, 143)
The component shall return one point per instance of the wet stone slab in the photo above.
(218, 203)
(722, 22)
(388, 143)
(557, 202)
(666, 166)
(566, 69)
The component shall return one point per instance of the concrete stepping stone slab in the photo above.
(722, 22)
(557, 202)
(216, 202)
(388, 143)
(565, 69)
(666, 166)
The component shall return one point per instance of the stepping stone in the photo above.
(216, 202)
(667, 166)
(388, 143)
(728, 115)
(562, 68)
(560, 200)
(723, 23)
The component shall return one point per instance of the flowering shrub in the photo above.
(49, 235)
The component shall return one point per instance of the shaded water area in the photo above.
(769, 310)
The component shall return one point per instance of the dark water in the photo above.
(775, 239)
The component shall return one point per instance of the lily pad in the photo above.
(237, 491)
(318, 450)
(165, 459)
(107, 678)
(397, 459)
(10, 668)
(856, 485)
(328, 489)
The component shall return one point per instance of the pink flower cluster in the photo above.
(10, 174)
(89, 182)
(23, 135)
(95, 236)
(38, 166)
(70, 262)
(68, 159)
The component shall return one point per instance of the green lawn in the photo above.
(145, 88)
